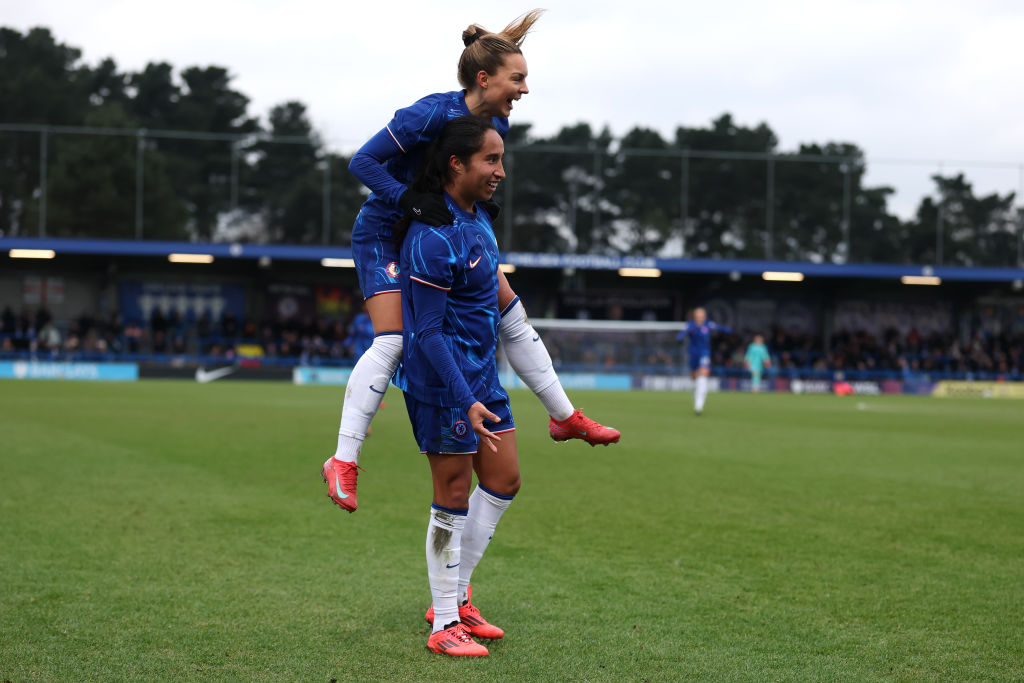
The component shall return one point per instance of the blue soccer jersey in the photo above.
(387, 162)
(698, 338)
(450, 311)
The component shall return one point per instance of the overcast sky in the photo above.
(906, 80)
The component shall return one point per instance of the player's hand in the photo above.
(477, 414)
(426, 207)
(492, 209)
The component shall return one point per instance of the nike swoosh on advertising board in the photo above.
(203, 376)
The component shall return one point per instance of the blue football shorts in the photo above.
(697, 362)
(375, 255)
(447, 430)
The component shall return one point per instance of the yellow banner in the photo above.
(979, 390)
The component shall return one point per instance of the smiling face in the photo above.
(504, 87)
(478, 179)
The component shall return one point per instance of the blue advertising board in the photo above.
(104, 372)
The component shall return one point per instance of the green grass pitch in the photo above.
(169, 530)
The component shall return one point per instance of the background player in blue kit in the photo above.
(449, 277)
(698, 335)
(492, 71)
(360, 334)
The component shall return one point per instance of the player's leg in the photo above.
(530, 359)
(498, 482)
(377, 269)
(451, 471)
(452, 475)
(700, 391)
(755, 380)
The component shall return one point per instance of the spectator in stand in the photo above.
(42, 318)
(72, 343)
(49, 338)
(7, 321)
(133, 337)
(204, 326)
(176, 332)
(229, 325)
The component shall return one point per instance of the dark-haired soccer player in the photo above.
(492, 71)
(698, 335)
(449, 280)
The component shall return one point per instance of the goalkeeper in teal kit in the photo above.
(756, 360)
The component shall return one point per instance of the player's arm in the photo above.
(429, 301)
(368, 166)
(719, 328)
(682, 333)
(416, 123)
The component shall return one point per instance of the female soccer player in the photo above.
(756, 360)
(492, 71)
(449, 282)
(698, 333)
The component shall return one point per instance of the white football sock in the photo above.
(485, 509)
(529, 357)
(364, 391)
(444, 537)
(700, 393)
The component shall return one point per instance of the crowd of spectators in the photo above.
(977, 352)
(289, 341)
(980, 352)
(981, 348)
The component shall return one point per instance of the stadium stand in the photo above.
(118, 302)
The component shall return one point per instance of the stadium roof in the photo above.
(650, 265)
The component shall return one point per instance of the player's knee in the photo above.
(452, 491)
(507, 485)
(514, 324)
(386, 349)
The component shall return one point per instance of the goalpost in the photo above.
(632, 346)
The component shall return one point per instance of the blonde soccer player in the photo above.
(492, 72)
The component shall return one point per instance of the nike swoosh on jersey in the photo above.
(472, 264)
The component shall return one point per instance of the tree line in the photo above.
(209, 169)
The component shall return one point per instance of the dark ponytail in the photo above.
(460, 138)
